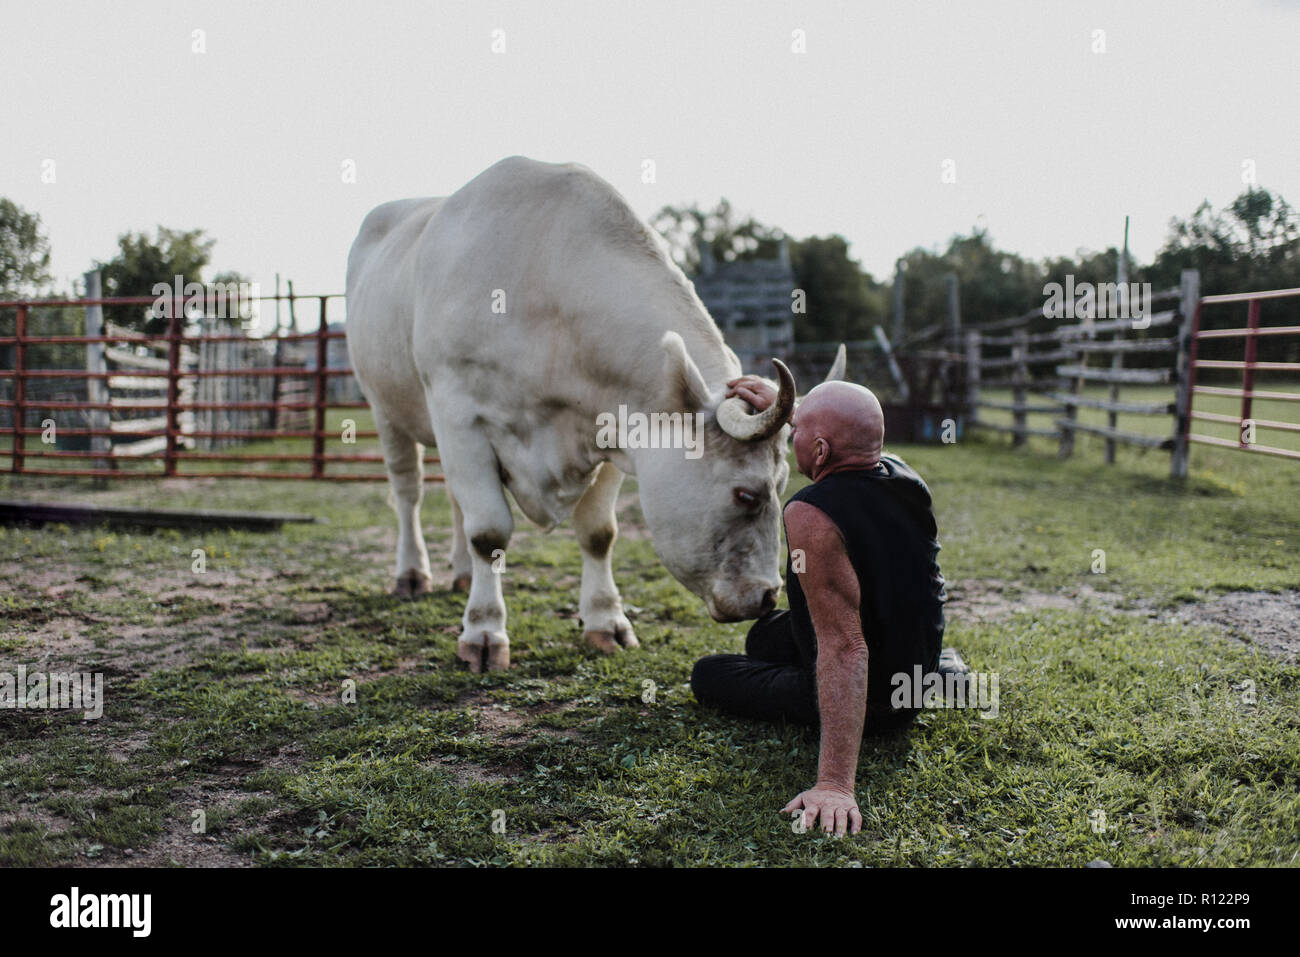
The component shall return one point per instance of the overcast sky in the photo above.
(1052, 142)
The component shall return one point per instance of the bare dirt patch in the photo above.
(494, 719)
(512, 723)
(33, 814)
(991, 599)
(218, 795)
(178, 845)
(467, 772)
(164, 620)
(63, 644)
(1267, 620)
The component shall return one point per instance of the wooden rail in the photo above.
(1047, 370)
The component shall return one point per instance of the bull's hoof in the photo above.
(412, 583)
(484, 652)
(610, 642)
(462, 582)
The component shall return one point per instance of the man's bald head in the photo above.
(848, 419)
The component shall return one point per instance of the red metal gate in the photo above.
(172, 455)
(1248, 367)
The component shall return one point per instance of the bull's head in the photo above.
(716, 517)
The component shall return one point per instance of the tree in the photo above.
(1251, 244)
(142, 262)
(684, 228)
(25, 273)
(992, 283)
(24, 251)
(843, 301)
(1088, 266)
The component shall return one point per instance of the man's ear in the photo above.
(823, 453)
(684, 388)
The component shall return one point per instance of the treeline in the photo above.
(140, 262)
(1251, 244)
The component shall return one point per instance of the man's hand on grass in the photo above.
(837, 808)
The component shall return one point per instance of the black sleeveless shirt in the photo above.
(885, 516)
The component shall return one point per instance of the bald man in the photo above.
(866, 596)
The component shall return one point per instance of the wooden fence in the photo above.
(130, 380)
(224, 400)
(137, 396)
(1046, 373)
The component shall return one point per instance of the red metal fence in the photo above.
(172, 456)
(1248, 366)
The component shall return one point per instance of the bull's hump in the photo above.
(524, 167)
(518, 182)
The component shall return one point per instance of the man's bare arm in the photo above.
(830, 586)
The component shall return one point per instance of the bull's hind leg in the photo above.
(472, 471)
(600, 607)
(404, 460)
(461, 568)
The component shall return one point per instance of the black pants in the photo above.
(775, 680)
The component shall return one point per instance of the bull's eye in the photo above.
(745, 498)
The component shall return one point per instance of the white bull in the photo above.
(504, 324)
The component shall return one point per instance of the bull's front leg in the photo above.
(604, 624)
(471, 471)
(483, 643)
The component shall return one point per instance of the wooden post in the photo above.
(1072, 411)
(954, 312)
(887, 348)
(322, 360)
(1019, 379)
(175, 326)
(208, 385)
(1248, 373)
(948, 371)
(899, 268)
(97, 365)
(278, 357)
(229, 386)
(972, 375)
(1112, 417)
(1185, 368)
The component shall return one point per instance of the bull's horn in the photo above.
(837, 367)
(738, 422)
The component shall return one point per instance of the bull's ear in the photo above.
(684, 388)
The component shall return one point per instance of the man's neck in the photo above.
(856, 464)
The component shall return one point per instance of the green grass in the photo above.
(1145, 720)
